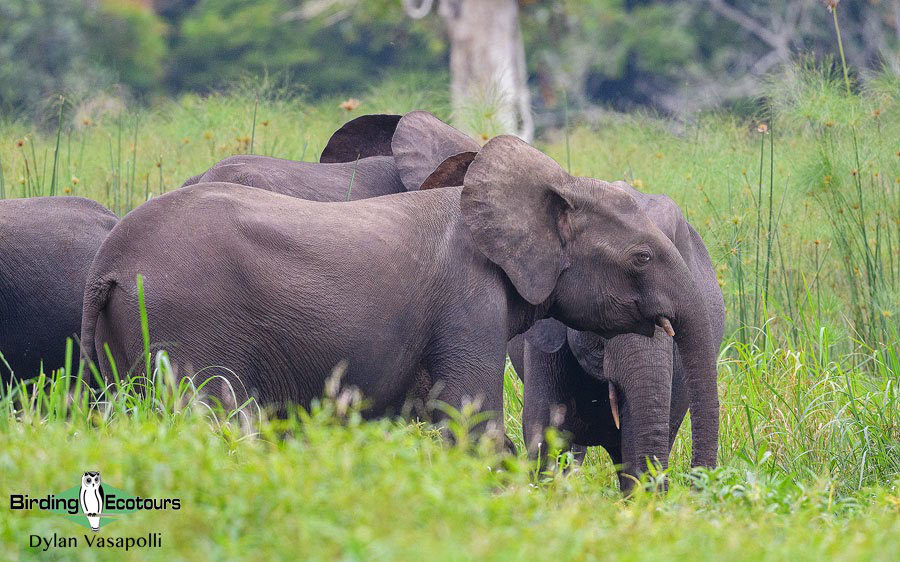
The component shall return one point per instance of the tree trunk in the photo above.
(487, 62)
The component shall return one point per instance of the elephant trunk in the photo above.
(699, 355)
(640, 374)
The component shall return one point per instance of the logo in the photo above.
(93, 504)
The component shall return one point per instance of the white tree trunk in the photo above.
(487, 61)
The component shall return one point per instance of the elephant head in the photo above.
(638, 372)
(587, 252)
(647, 403)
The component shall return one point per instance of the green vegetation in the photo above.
(225, 40)
(51, 46)
(677, 56)
(383, 490)
(803, 224)
(144, 50)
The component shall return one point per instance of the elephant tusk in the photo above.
(664, 323)
(614, 403)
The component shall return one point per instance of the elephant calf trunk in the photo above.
(640, 374)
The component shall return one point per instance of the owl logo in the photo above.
(91, 496)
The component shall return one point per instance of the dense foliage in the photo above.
(221, 40)
(674, 56)
(62, 47)
(683, 55)
(75, 48)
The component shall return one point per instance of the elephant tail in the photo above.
(96, 295)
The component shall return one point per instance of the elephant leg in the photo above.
(640, 368)
(558, 393)
(516, 351)
(680, 398)
(472, 378)
(541, 372)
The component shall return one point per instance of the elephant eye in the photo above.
(642, 258)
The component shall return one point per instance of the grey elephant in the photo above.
(46, 248)
(557, 381)
(564, 371)
(279, 290)
(629, 393)
(370, 156)
(564, 375)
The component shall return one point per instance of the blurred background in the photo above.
(530, 57)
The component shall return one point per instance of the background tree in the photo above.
(328, 46)
(676, 57)
(53, 47)
(681, 56)
(129, 39)
(487, 59)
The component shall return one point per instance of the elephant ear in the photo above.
(451, 171)
(421, 143)
(516, 202)
(588, 349)
(369, 135)
(547, 335)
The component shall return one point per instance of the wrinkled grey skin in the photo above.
(570, 375)
(567, 373)
(370, 156)
(280, 290)
(374, 176)
(46, 248)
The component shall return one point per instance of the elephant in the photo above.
(46, 248)
(553, 381)
(272, 292)
(565, 373)
(369, 156)
(591, 383)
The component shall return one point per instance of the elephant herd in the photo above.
(410, 254)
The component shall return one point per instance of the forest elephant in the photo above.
(630, 393)
(46, 248)
(570, 382)
(272, 292)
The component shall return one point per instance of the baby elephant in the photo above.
(46, 248)
(272, 292)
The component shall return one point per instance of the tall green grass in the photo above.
(120, 155)
(325, 483)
